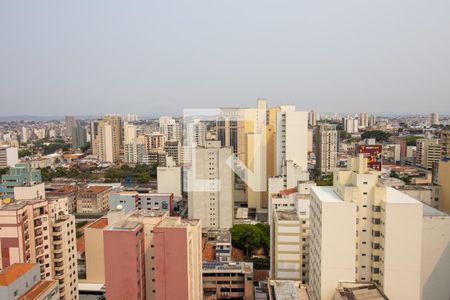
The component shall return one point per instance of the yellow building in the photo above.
(444, 185)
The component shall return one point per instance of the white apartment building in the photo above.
(9, 156)
(292, 137)
(133, 153)
(170, 128)
(169, 180)
(362, 231)
(210, 186)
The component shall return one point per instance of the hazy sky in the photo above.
(157, 57)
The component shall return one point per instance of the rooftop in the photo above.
(360, 291)
(177, 222)
(95, 189)
(395, 196)
(39, 289)
(19, 204)
(124, 225)
(433, 212)
(287, 290)
(287, 215)
(13, 272)
(99, 224)
(326, 194)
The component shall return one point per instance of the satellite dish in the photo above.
(119, 207)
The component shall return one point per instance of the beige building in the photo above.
(326, 140)
(230, 280)
(435, 119)
(428, 152)
(154, 141)
(30, 192)
(444, 185)
(289, 244)
(107, 138)
(169, 180)
(65, 256)
(380, 251)
(93, 199)
(210, 182)
(444, 140)
(94, 251)
(363, 120)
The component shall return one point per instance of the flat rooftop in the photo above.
(98, 224)
(395, 196)
(287, 215)
(287, 290)
(19, 204)
(433, 212)
(177, 222)
(360, 291)
(326, 194)
(13, 272)
(124, 225)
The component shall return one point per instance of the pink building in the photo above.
(177, 258)
(124, 261)
(25, 235)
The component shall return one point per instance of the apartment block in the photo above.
(65, 256)
(177, 258)
(94, 251)
(326, 145)
(428, 152)
(444, 186)
(9, 157)
(22, 281)
(124, 261)
(173, 150)
(154, 141)
(107, 138)
(210, 181)
(444, 140)
(169, 180)
(93, 199)
(25, 235)
(380, 229)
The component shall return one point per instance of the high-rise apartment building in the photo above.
(292, 137)
(65, 255)
(434, 119)
(444, 139)
(107, 138)
(326, 147)
(312, 118)
(154, 141)
(134, 153)
(70, 124)
(177, 258)
(351, 125)
(173, 149)
(365, 232)
(194, 135)
(363, 120)
(124, 261)
(129, 133)
(428, 151)
(210, 181)
(25, 235)
(444, 185)
(95, 251)
(372, 121)
(170, 128)
(9, 157)
(79, 136)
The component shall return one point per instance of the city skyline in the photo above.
(166, 56)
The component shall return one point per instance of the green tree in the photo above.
(379, 135)
(24, 152)
(249, 238)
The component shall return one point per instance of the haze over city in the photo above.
(157, 57)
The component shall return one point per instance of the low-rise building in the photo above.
(22, 281)
(132, 200)
(93, 199)
(229, 280)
